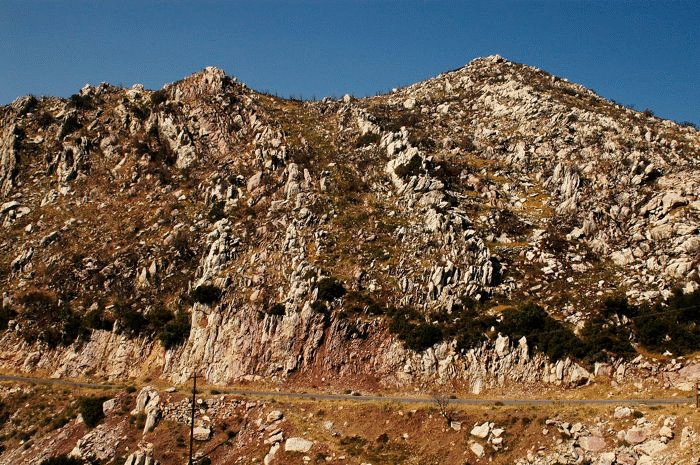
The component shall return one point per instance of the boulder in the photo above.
(201, 433)
(274, 416)
(477, 449)
(666, 432)
(622, 412)
(481, 431)
(651, 447)
(591, 443)
(636, 436)
(297, 444)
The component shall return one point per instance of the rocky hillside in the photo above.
(384, 241)
(151, 426)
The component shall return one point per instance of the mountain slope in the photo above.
(335, 241)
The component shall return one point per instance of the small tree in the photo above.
(442, 402)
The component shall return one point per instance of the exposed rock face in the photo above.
(148, 403)
(493, 181)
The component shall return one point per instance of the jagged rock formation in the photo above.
(493, 180)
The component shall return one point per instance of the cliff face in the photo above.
(495, 181)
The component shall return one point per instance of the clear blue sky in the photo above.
(637, 52)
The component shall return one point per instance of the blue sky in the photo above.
(640, 53)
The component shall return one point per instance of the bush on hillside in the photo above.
(175, 331)
(91, 410)
(412, 168)
(62, 460)
(330, 289)
(206, 294)
(412, 329)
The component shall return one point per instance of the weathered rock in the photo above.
(477, 449)
(201, 433)
(148, 402)
(592, 443)
(297, 444)
(274, 415)
(622, 412)
(636, 435)
(481, 431)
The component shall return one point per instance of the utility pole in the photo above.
(194, 392)
(697, 397)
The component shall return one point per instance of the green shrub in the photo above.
(49, 321)
(81, 102)
(602, 339)
(140, 420)
(91, 410)
(206, 294)
(410, 327)
(412, 168)
(158, 317)
(319, 307)
(176, 331)
(159, 96)
(367, 139)
(278, 310)
(543, 332)
(330, 289)
(6, 314)
(63, 460)
(95, 319)
(216, 212)
(129, 321)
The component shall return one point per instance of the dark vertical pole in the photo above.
(697, 400)
(194, 392)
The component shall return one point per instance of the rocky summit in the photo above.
(462, 231)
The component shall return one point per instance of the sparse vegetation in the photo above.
(175, 331)
(276, 309)
(91, 410)
(414, 167)
(206, 294)
(63, 460)
(330, 289)
(367, 139)
(216, 212)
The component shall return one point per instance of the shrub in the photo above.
(6, 314)
(216, 212)
(412, 330)
(159, 96)
(206, 294)
(602, 339)
(140, 420)
(158, 317)
(49, 321)
(543, 332)
(81, 102)
(63, 460)
(130, 321)
(319, 307)
(176, 331)
(91, 410)
(277, 310)
(330, 289)
(95, 319)
(412, 168)
(367, 139)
